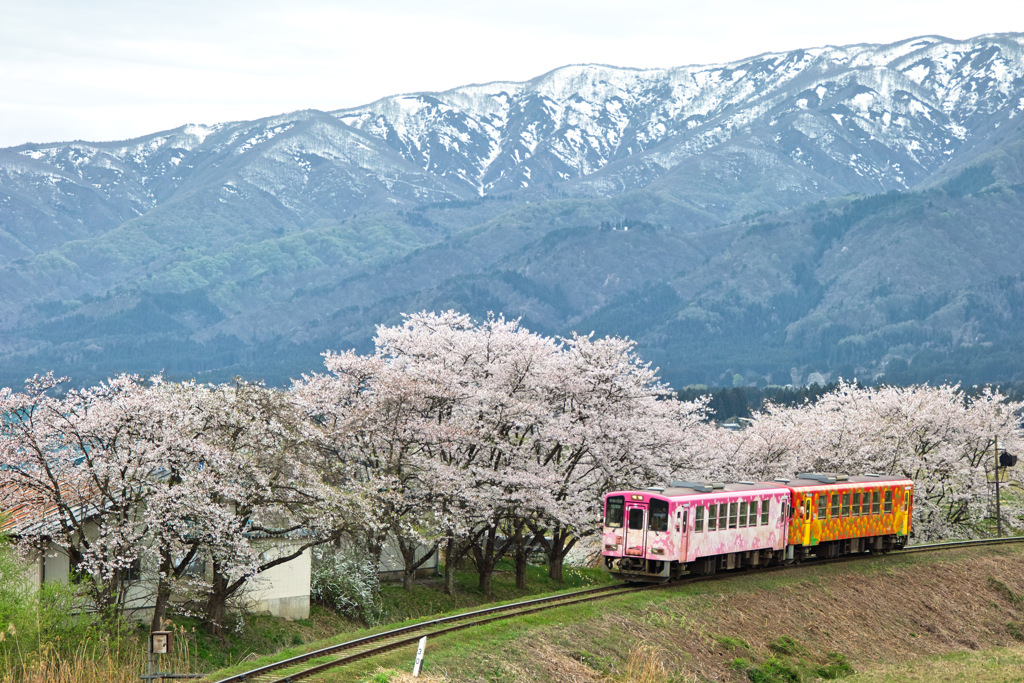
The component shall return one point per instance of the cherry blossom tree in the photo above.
(82, 462)
(359, 416)
(612, 424)
(133, 476)
(249, 482)
(496, 430)
(938, 436)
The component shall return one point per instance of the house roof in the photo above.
(26, 512)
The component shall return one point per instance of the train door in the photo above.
(907, 497)
(635, 537)
(807, 520)
(682, 522)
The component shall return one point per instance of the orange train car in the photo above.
(834, 515)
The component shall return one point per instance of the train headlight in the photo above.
(611, 546)
(657, 551)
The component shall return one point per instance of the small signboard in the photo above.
(419, 657)
(160, 642)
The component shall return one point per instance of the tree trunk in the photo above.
(519, 555)
(451, 559)
(562, 541)
(484, 559)
(163, 592)
(408, 548)
(216, 603)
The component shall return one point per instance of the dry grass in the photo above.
(989, 666)
(645, 666)
(402, 677)
(925, 611)
(92, 661)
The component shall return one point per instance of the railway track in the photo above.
(963, 544)
(318, 661)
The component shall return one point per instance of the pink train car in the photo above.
(659, 534)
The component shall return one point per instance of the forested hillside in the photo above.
(849, 211)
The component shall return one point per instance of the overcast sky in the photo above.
(115, 69)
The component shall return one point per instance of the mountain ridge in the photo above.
(308, 228)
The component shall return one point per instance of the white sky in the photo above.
(115, 69)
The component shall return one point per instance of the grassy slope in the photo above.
(398, 608)
(954, 616)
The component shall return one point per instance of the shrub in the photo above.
(837, 667)
(348, 584)
(784, 646)
(774, 671)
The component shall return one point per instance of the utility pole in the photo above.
(999, 516)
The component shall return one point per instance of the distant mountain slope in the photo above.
(724, 215)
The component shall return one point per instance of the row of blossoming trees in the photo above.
(481, 439)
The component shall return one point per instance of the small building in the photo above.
(282, 590)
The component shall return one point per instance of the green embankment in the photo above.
(952, 616)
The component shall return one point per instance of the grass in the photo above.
(401, 607)
(428, 597)
(92, 660)
(996, 665)
(731, 630)
(735, 630)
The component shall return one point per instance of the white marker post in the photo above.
(419, 657)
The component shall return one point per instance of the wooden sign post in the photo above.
(419, 657)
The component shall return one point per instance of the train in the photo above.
(661, 533)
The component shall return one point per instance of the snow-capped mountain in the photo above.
(255, 215)
(914, 103)
(821, 122)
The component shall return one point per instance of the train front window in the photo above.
(659, 515)
(636, 519)
(613, 512)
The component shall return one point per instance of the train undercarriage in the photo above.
(642, 570)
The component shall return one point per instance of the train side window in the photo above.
(876, 500)
(712, 517)
(888, 502)
(856, 503)
(846, 505)
(698, 520)
(659, 515)
(613, 513)
(743, 514)
(723, 516)
(753, 513)
(732, 515)
(835, 505)
(906, 500)
(636, 519)
(765, 504)
(822, 506)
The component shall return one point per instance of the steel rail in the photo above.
(414, 628)
(1008, 540)
(387, 647)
